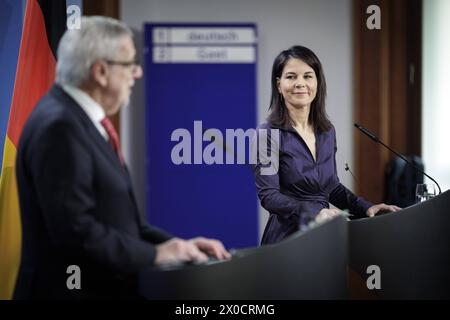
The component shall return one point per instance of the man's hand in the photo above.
(178, 250)
(197, 249)
(381, 207)
(211, 247)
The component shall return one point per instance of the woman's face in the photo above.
(297, 84)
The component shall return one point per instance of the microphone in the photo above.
(375, 138)
(368, 133)
(348, 169)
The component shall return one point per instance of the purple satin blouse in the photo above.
(301, 187)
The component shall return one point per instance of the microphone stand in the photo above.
(375, 138)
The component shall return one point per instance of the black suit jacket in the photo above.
(77, 208)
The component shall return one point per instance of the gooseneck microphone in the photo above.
(375, 138)
(348, 169)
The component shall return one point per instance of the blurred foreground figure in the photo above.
(77, 203)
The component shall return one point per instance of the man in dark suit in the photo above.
(77, 203)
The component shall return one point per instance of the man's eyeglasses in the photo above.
(134, 64)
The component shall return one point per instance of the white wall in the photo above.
(322, 25)
(436, 93)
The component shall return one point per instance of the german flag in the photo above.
(43, 26)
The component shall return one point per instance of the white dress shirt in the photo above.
(93, 110)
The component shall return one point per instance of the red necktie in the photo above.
(113, 138)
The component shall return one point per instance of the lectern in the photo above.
(311, 264)
(411, 247)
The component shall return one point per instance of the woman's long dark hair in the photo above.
(278, 112)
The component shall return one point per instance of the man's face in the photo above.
(121, 77)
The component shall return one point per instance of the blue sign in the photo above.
(200, 91)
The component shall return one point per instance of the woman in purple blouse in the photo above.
(304, 181)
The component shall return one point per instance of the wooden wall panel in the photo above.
(385, 100)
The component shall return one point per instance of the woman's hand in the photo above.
(381, 207)
(327, 214)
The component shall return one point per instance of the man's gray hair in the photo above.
(98, 38)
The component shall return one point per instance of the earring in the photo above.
(281, 97)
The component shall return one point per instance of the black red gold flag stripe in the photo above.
(43, 25)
